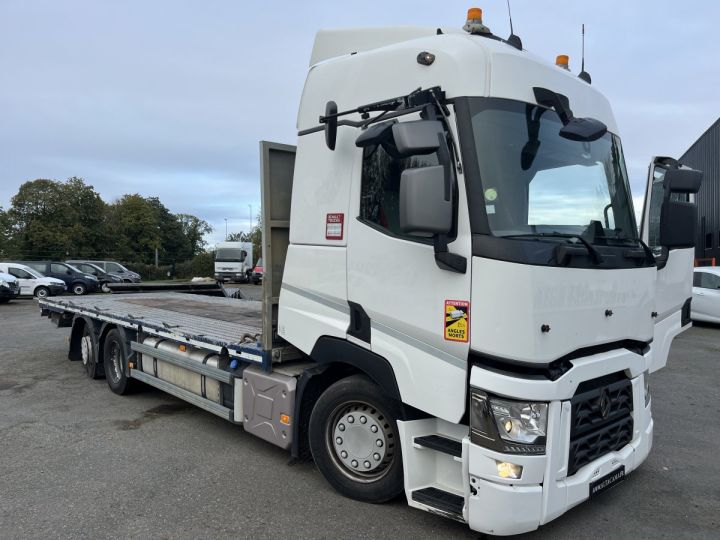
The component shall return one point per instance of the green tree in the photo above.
(194, 230)
(51, 219)
(4, 232)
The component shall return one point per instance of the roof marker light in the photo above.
(474, 24)
(563, 61)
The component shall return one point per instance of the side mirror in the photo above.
(682, 181)
(404, 139)
(424, 207)
(331, 124)
(678, 218)
(583, 129)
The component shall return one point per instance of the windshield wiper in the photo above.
(595, 255)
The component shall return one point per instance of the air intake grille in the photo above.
(601, 421)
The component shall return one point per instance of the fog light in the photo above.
(508, 470)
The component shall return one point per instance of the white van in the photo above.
(33, 282)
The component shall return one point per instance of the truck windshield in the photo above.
(537, 183)
(230, 255)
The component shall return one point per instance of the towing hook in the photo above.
(608, 312)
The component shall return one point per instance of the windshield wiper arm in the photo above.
(595, 255)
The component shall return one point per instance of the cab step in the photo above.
(443, 501)
(439, 443)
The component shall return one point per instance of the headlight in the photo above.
(4, 283)
(646, 379)
(519, 421)
(517, 427)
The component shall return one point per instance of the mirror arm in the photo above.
(446, 260)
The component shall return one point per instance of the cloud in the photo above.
(170, 98)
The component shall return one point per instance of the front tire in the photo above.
(79, 289)
(115, 358)
(354, 440)
(105, 288)
(42, 292)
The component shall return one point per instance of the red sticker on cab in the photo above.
(334, 226)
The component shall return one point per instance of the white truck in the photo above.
(457, 305)
(233, 261)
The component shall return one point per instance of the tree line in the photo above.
(50, 219)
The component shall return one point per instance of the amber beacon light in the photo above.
(563, 61)
(474, 24)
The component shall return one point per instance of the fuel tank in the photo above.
(192, 382)
(537, 314)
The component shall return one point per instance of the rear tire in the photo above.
(354, 440)
(115, 359)
(79, 289)
(42, 292)
(88, 354)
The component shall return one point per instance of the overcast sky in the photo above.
(170, 98)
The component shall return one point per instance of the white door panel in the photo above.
(404, 292)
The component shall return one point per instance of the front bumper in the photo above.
(5, 292)
(57, 289)
(504, 507)
(230, 276)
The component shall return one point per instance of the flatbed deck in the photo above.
(209, 322)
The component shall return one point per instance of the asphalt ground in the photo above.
(77, 461)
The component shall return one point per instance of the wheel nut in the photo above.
(376, 456)
(373, 429)
(379, 443)
(341, 427)
(363, 419)
(354, 463)
(350, 419)
(367, 464)
(343, 454)
(338, 440)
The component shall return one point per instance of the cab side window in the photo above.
(59, 269)
(380, 187)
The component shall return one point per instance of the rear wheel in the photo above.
(115, 357)
(354, 440)
(79, 289)
(42, 292)
(89, 354)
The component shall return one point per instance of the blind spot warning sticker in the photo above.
(334, 226)
(457, 320)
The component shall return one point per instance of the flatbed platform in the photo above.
(210, 322)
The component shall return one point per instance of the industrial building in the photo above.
(704, 155)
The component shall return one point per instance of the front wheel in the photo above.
(79, 289)
(105, 288)
(354, 440)
(42, 292)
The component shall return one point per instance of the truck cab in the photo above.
(468, 208)
(233, 261)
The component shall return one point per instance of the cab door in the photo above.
(670, 206)
(416, 314)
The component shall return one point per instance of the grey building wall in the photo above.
(704, 155)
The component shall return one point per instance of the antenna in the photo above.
(513, 40)
(584, 75)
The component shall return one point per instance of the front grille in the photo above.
(601, 419)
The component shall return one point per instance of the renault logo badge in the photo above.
(605, 403)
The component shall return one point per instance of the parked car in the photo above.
(32, 282)
(76, 281)
(705, 305)
(9, 287)
(113, 267)
(103, 277)
(257, 272)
